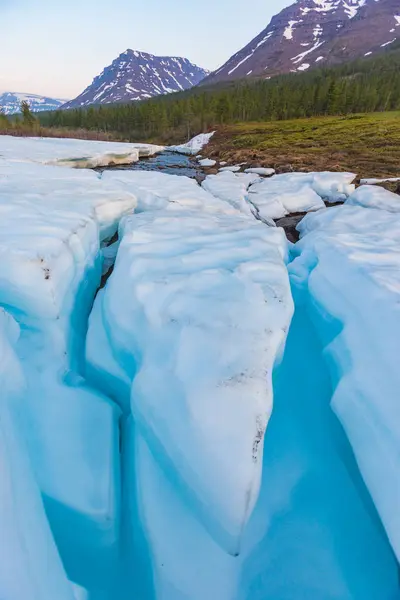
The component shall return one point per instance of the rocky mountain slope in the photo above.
(315, 32)
(138, 76)
(10, 102)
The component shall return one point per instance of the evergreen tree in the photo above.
(368, 84)
(28, 118)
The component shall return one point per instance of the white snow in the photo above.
(177, 326)
(243, 60)
(289, 29)
(280, 195)
(261, 171)
(233, 168)
(73, 153)
(158, 191)
(374, 180)
(371, 196)
(388, 43)
(349, 261)
(231, 188)
(283, 194)
(194, 146)
(207, 162)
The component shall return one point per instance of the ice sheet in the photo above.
(178, 331)
(287, 193)
(371, 196)
(231, 188)
(348, 267)
(30, 566)
(73, 153)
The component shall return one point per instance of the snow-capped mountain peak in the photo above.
(313, 32)
(349, 7)
(135, 75)
(10, 102)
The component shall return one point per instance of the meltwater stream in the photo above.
(170, 163)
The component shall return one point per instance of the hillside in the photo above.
(10, 102)
(137, 76)
(368, 85)
(311, 33)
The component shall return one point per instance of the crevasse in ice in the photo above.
(139, 457)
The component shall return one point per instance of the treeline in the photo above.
(367, 85)
(23, 123)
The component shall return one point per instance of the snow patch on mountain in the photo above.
(339, 29)
(137, 76)
(10, 102)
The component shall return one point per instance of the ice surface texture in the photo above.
(180, 351)
(74, 153)
(52, 223)
(281, 195)
(202, 389)
(349, 261)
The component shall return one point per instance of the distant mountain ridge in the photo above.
(137, 76)
(10, 102)
(315, 32)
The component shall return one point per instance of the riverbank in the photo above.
(368, 145)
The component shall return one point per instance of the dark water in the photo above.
(166, 162)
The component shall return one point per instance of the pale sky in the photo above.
(56, 48)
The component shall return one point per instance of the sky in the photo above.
(56, 48)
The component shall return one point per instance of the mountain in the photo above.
(137, 76)
(10, 102)
(315, 32)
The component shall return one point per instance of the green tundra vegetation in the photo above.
(363, 86)
(367, 144)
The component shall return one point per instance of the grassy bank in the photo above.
(367, 144)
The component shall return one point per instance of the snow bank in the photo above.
(207, 162)
(194, 146)
(231, 188)
(161, 191)
(373, 181)
(201, 369)
(74, 153)
(287, 193)
(260, 171)
(281, 195)
(370, 196)
(233, 169)
(333, 187)
(349, 262)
